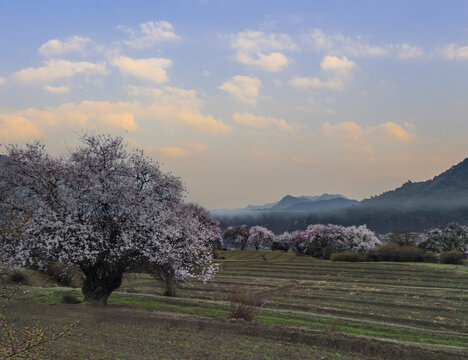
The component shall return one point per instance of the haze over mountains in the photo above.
(300, 203)
(413, 206)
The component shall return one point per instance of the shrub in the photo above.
(452, 257)
(70, 299)
(431, 257)
(18, 276)
(244, 304)
(395, 252)
(346, 256)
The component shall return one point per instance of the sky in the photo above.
(246, 101)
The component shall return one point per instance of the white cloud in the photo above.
(151, 69)
(313, 82)
(56, 47)
(363, 139)
(340, 68)
(244, 88)
(87, 115)
(406, 51)
(178, 106)
(17, 128)
(262, 50)
(58, 69)
(149, 34)
(455, 52)
(2, 80)
(341, 45)
(57, 89)
(343, 66)
(262, 122)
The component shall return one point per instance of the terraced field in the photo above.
(410, 303)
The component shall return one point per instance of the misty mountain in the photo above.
(449, 189)
(413, 206)
(299, 203)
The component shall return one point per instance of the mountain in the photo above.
(323, 205)
(314, 203)
(413, 206)
(299, 203)
(447, 190)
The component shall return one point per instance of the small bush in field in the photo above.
(452, 257)
(431, 257)
(18, 276)
(346, 256)
(395, 252)
(244, 304)
(70, 299)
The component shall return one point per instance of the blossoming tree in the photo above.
(102, 207)
(320, 240)
(185, 250)
(259, 235)
(453, 237)
(240, 234)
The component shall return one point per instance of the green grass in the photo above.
(411, 302)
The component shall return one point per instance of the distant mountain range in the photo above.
(324, 202)
(412, 206)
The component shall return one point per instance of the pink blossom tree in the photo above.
(453, 237)
(102, 207)
(283, 241)
(185, 250)
(259, 235)
(239, 233)
(322, 240)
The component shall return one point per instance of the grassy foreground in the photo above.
(313, 309)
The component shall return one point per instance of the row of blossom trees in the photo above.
(101, 208)
(317, 240)
(322, 240)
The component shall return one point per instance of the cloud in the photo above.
(244, 88)
(58, 69)
(2, 80)
(57, 89)
(262, 122)
(313, 82)
(176, 105)
(455, 52)
(343, 66)
(149, 34)
(341, 44)
(17, 128)
(174, 152)
(364, 139)
(190, 115)
(406, 51)
(340, 69)
(394, 131)
(56, 47)
(151, 69)
(86, 115)
(262, 50)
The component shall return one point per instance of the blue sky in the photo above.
(246, 100)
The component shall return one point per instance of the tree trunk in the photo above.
(101, 279)
(169, 286)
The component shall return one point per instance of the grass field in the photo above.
(314, 309)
